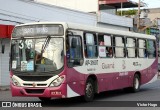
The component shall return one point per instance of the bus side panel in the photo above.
(109, 81)
(75, 81)
(144, 77)
(149, 73)
(113, 81)
(104, 82)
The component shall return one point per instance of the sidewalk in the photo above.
(4, 88)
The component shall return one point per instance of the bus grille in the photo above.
(27, 84)
(34, 91)
(34, 78)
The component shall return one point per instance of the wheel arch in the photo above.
(95, 79)
(139, 74)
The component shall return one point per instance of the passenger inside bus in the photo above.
(101, 43)
(109, 51)
(38, 58)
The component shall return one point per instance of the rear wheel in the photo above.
(44, 99)
(89, 90)
(136, 85)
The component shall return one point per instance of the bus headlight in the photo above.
(15, 82)
(57, 82)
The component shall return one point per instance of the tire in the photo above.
(136, 83)
(89, 90)
(44, 99)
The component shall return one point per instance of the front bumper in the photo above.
(50, 92)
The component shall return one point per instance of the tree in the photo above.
(127, 12)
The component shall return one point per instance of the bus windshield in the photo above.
(43, 54)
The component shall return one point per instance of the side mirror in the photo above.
(3, 49)
(74, 43)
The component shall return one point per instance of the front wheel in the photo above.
(89, 90)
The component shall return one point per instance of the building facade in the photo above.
(5, 35)
(154, 13)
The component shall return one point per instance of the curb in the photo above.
(4, 88)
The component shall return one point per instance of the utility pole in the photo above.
(121, 8)
(138, 18)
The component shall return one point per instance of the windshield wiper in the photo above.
(46, 42)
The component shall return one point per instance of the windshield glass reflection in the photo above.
(39, 55)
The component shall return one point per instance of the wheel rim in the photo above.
(89, 90)
(136, 83)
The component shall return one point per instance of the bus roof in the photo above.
(109, 31)
(96, 29)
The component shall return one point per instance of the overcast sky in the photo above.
(151, 3)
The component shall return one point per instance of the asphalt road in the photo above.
(115, 99)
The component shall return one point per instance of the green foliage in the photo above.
(127, 12)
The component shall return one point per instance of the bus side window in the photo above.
(74, 52)
(73, 47)
(90, 42)
(119, 47)
(142, 51)
(151, 48)
(105, 46)
(131, 47)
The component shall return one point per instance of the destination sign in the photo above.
(38, 30)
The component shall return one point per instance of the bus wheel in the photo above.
(44, 99)
(89, 90)
(136, 83)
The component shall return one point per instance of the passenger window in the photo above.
(90, 42)
(142, 51)
(151, 49)
(74, 51)
(131, 47)
(119, 47)
(105, 46)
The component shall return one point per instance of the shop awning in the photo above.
(119, 3)
(5, 31)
